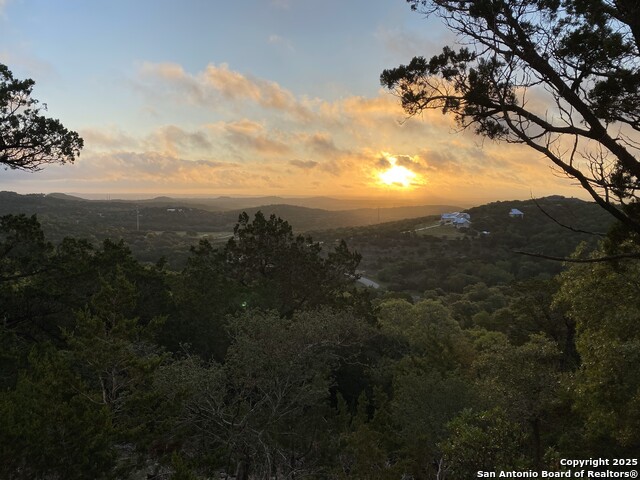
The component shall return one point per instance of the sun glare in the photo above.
(397, 175)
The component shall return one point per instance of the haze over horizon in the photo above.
(273, 97)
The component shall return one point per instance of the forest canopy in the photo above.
(262, 356)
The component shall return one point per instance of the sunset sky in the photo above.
(258, 97)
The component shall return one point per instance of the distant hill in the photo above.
(401, 259)
(394, 254)
(540, 229)
(242, 203)
(309, 219)
(169, 214)
(63, 196)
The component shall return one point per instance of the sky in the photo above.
(259, 97)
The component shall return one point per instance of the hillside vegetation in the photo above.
(414, 261)
(262, 356)
(168, 227)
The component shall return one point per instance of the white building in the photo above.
(461, 222)
(450, 218)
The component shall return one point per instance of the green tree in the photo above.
(368, 447)
(428, 382)
(49, 425)
(204, 296)
(42, 285)
(525, 382)
(265, 409)
(117, 356)
(424, 401)
(603, 300)
(580, 59)
(287, 272)
(482, 441)
(89, 318)
(28, 267)
(434, 338)
(23, 248)
(28, 139)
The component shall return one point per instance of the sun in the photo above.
(397, 175)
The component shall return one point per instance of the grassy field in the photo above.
(440, 231)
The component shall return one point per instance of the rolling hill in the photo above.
(170, 214)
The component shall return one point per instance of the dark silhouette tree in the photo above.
(28, 139)
(561, 76)
(284, 271)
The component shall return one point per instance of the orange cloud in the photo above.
(305, 165)
(219, 82)
(246, 134)
(250, 135)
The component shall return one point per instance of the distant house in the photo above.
(451, 218)
(461, 222)
(515, 213)
(448, 218)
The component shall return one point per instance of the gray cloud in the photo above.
(322, 143)
(410, 163)
(383, 162)
(305, 165)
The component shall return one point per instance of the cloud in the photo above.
(149, 171)
(413, 163)
(240, 139)
(219, 82)
(355, 106)
(246, 134)
(171, 140)
(109, 138)
(321, 143)
(305, 165)
(24, 60)
(439, 159)
(234, 85)
(169, 71)
(167, 140)
(277, 40)
(282, 4)
(154, 167)
(383, 162)
(404, 45)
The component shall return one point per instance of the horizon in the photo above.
(377, 202)
(199, 100)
